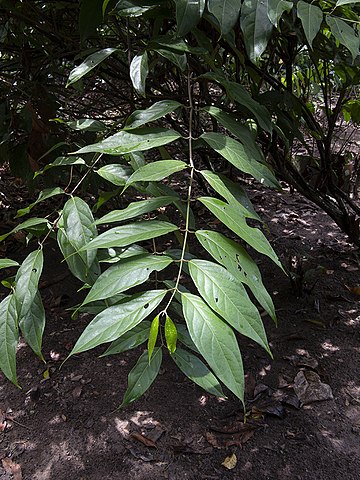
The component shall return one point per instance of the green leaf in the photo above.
(9, 336)
(276, 8)
(131, 233)
(115, 173)
(183, 333)
(27, 280)
(79, 228)
(346, 2)
(114, 321)
(125, 142)
(188, 15)
(170, 334)
(230, 217)
(131, 8)
(142, 376)
(129, 340)
(197, 371)
(61, 162)
(44, 195)
(135, 209)
(344, 34)
(256, 26)
(235, 153)
(226, 13)
(89, 64)
(28, 224)
(156, 171)
(216, 342)
(311, 18)
(32, 325)
(90, 18)
(156, 111)
(228, 298)
(154, 330)
(238, 262)
(139, 70)
(232, 193)
(114, 255)
(125, 275)
(178, 59)
(87, 124)
(7, 262)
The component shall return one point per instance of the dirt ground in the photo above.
(63, 424)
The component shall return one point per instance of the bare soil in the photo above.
(64, 423)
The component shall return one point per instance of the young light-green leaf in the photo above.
(156, 111)
(228, 298)
(88, 64)
(129, 340)
(154, 330)
(125, 275)
(197, 371)
(142, 376)
(216, 342)
(32, 325)
(170, 334)
(311, 18)
(156, 171)
(9, 336)
(139, 70)
(114, 321)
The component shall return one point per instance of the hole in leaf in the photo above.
(34, 270)
(146, 305)
(216, 299)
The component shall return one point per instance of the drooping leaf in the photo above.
(114, 321)
(142, 376)
(8, 337)
(226, 13)
(156, 111)
(276, 8)
(234, 152)
(86, 124)
(178, 59)
(238, 262)
(61, 162)
(156, 171)
(89, 64)
(27, 280)
(130, 233)
(139, 70)
(170, 334)
(32, 325)
(216, 342)
(115, 173)
(44, 195)
(197, 371)
(344, 34)
(27, 225)
(7, 262)
(129, 340)
(311, 18)
(125, 275)
(154, 330)
(135, 209)
(126, 142)
(188, 15)
(256, 26)
(228, 298)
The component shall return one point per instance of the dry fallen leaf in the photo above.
(12, 468)
(230, 462)
(141, 438)
(309, 388)
(355, 290)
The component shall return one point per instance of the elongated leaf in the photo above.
(311, 18)
(228, 298)
(131, 8)
(226, 13)
(142, 376)
(182, 331)
(135, 209)
(131, 233)
(197, 371)
(8, 337)
(114, 255)
(61, 162)
(346, 2)
(235, 153)
(125, 275)
(32, 325)
(238, 262)
(230, 217)
(344, 34)
(276, 8)
(27, 225)
(139, 70)
(156, 171)
(170, 334)
(232, 193)
(7, 262)
(79, 227)
(188, 15)
(87, 124)
(88, 64)
(126, 142)
(178, 59)
(156, 111)
(115, 173)
(114, 321)
(154, 330)
(256, 27)
(129, 340)
(216, 342)
(44, 195)
(27, 280)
